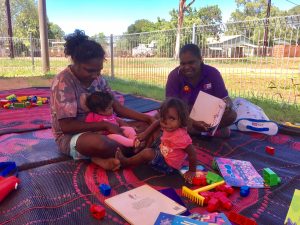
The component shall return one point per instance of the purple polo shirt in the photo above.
(211, 82)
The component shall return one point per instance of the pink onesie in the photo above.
(129, 132)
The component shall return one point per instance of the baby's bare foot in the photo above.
(121, 158)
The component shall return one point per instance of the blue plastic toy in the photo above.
(244, 191)
(105, 189)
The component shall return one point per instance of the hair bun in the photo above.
(73, 40)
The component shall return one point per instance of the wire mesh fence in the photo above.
(259, 58)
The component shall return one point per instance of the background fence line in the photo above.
(251, 65)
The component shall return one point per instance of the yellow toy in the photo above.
(194, 195)
(292, 125)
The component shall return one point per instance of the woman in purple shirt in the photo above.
(193, 76)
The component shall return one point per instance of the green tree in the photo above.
(139, 26)
(25, 20)
(294, 11)
(54, 31)
(253, 9)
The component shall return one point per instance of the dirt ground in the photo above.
(24, 82)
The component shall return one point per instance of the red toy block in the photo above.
(97, 211)
(270, 150)
(199, 181)
(240, 219)
(213, 205)
(7, 184)
(225, 188)
(207, 195)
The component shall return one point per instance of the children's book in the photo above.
(211, 218)
(209, 109)
(169, 219)
(239, 173)
(142, 205)
(293, 215)
(171, 193)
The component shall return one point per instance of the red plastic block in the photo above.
(240, 219)
(213, 205)
(199, 181)
(97, 211)
(225, 188)
(270, 150)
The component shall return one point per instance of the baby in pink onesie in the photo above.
(100, 106)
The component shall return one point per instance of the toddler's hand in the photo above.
(188, 176)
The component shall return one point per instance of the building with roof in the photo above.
(234, 46)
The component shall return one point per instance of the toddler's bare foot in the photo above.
(107, 164)
(123, 160)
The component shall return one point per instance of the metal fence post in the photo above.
(194, 34)
(112, 71)
(31, 51)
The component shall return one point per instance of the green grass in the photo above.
(275, 111)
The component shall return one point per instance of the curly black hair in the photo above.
(181, 108)
(81, 48)
(99, 100)
(192, 48)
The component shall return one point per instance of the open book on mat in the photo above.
(209, 109)
(142, 205)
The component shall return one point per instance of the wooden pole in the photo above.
(266, 33)
(44, 35)
(9, 29)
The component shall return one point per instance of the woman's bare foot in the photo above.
(107, 164)
(123, 160)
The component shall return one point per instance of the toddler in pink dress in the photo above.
(100, 106)
(168, 152)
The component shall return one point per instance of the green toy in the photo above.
(213, 178)
(270, 177)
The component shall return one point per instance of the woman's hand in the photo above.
(114, 129)
(142, 136)
(200, 125)
(188, 176)
(150, 120)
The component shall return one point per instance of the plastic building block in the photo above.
(19, 105)
(225, 188)
(7, 185)
(270, 177)
(244, 191)
(220, 196)
(105, 189)
(270, 150)
(11, 97)
(213, 205)
(240, 219)
(199, 181)
(97, 211)
(213, 178)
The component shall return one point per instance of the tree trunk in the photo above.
(179, 26)
(181, 10)
(9, 30)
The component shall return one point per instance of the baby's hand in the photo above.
(188, 176)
